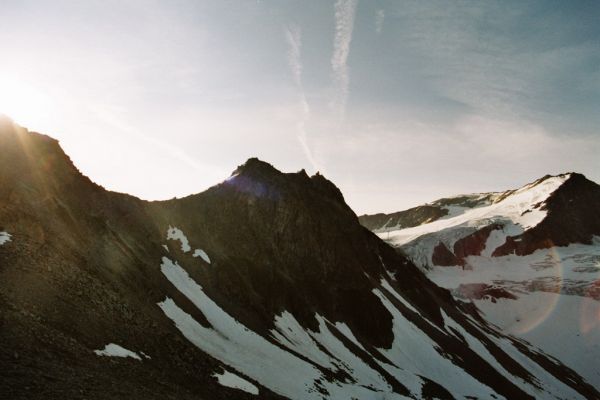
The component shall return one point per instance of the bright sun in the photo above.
(23, 103)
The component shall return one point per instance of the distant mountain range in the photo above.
(263, 286)
(528, 258)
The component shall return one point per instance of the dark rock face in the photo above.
(82, 270)
(443, 257)
(473, 244)
(573, 217)
(469, 245)
(298, 244)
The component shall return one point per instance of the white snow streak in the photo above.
(114, 350)
(231, 380)
(202, 254)
(4, 237)
(413, 352)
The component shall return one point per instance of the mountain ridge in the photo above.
(435, 209)
(264, 269)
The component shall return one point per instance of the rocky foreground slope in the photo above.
(263, 286)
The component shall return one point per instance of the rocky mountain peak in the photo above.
(256, 167)
(572, 217)
(264, 180)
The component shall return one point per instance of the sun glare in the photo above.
(24, 104)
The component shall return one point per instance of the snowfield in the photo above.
(550, 298)
(521, 209)
(556, 290)
(291, 360)
(294, 373)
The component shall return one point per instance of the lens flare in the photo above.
(534, 313)
(589, 316)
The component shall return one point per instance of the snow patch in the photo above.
(114, 350)
(4, 237)
(174, 233)
(202, 254)
(231, 380)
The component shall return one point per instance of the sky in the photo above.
(397, 102)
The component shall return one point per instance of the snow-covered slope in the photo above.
(440, 209)
(330, 362)
(550, 298)
(513, 211)
(529, 260)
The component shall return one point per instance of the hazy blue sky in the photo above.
(397, 102)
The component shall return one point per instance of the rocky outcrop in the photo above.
(473, 244)
(443, 257)
(469, 245)
(572, 217)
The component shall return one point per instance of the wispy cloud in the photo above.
(345, 11)
(108, 117)
(293, 36)
(379, 18)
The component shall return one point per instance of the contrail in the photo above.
(345, 11)
(379, 18)
(293, 37)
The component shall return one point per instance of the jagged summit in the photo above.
(259, 177)
(572, 217)
(255, 166)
